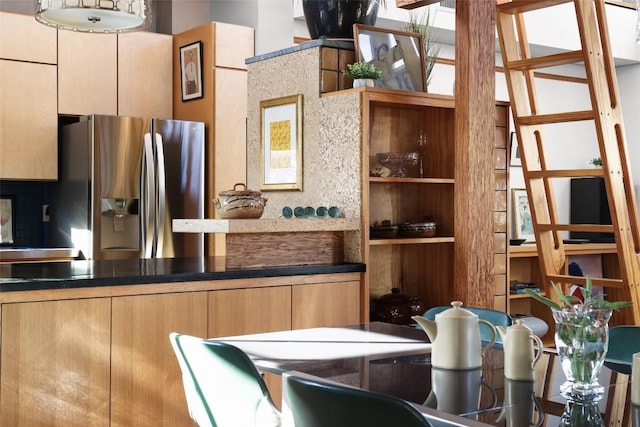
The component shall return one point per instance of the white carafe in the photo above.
(455, 338)
(520, 354)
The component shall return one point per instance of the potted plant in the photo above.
(431, 49)
(362, 73)
(596, 162)
(581, 337)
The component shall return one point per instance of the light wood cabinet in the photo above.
(145, 75)
(55, 363)
(22, 38)
(102, 357)
(28, 121)
(327, 304)
(249, 311)
(87, 73)
(146, 383)
(123, 74)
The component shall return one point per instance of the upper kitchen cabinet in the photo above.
(28, 121)
(28, 111)
(145, 75)
(22, 38)
(126, 74)
(87, 73)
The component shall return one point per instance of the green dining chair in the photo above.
(495, 317)
(222, 386)
(316, 403)
(624, 340)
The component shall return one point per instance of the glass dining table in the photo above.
(395, 360)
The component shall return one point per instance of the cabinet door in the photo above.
(28, 121)
(22, 38)
(55, 363)
(325, 304)
(146, 380)
(87, 73)
(249, 311)
(145, 75)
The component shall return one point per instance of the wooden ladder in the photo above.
(604, 113)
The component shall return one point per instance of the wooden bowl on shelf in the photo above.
(417, 229)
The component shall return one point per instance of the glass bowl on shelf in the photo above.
(397, 163)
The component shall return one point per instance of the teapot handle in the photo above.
(493, 338)
(538, 342)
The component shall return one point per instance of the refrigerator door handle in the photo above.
(147, 198)
(161, 208)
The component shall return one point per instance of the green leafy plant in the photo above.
(581, 334)
(431, 49)
(362, 70)
(589, 300)
(596, 161)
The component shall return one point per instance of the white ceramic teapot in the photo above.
(520, 356)
(455, 338)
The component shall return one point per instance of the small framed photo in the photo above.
(7, 220)
(398, 54)
(191, 71)
(281, 143)
(514, 151)
(522, 220)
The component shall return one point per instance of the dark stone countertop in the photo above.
(79, 274)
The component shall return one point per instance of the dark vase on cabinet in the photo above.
(335, 18)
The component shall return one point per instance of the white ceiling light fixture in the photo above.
(95, 16)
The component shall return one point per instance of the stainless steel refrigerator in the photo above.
(122, 180)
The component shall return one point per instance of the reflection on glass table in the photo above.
(395, 360)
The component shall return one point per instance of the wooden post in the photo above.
(474, 136)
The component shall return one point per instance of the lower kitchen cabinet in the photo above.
(328, 304)
(107, 361)
(146, 383)
(55, 363)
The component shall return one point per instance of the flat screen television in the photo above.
(589, 205)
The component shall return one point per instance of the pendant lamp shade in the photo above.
(94, 16)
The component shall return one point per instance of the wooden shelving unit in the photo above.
(525, 267)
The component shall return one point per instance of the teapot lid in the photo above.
(456, 311)
(520, 326)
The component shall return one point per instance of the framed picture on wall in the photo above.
(281, 143)
(522, 220)
(191, 71)
(7, 220)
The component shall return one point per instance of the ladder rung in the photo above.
(585, 228)
(567, 173)
(547, 61)
(607, 283)
(546, 119)
(521, 6)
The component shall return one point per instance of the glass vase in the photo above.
(582, 340)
